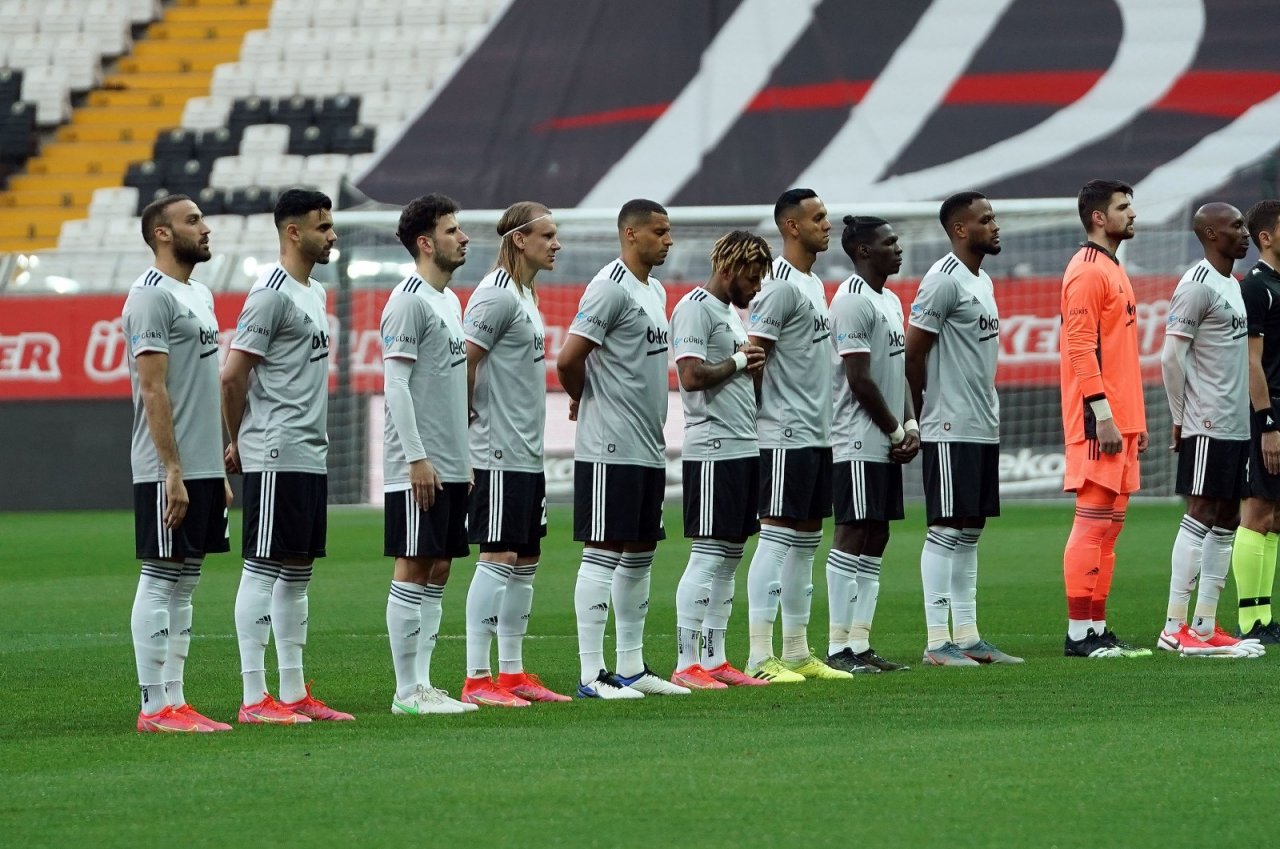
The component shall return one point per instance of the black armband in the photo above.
(1265, 421)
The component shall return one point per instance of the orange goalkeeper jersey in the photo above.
(1098, 346)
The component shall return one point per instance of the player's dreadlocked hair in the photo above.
(517, 219)
(741, 253)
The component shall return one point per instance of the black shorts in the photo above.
(720, 498)
(436, 534)
(795, 483)
(285, 515)
(864, 490)
(1262, 484)
(203, 531)
(961, 480)
(617, 503)
(1213, 468)
(508, 511)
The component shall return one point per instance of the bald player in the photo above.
(1206, 376)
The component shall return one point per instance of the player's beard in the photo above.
(448, 264)
(190, 253)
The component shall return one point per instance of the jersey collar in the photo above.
(1089, 243)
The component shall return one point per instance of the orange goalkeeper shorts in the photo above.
(1116, 472)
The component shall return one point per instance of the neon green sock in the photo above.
(1246, 565)
(1270, 543)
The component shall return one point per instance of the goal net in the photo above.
(1038, 238)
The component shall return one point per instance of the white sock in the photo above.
(693, 598)
(180, 616)
(964, 589)
(253, 625)
(513, 618)
(1215, 563)
(404, 626)
(1078, 629)
(630, 605)
(149, 624)
(935, 575)
(484, 600)
(591, 596)
(764, 588)
(715, 624)
(864, 608)
(1188, 546)
(289, 611)
(432, 610)
(842, 592)
(797, 594)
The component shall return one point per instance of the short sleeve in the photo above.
(147, 320)
(401, 328)
(853, 320)
(1257, 302)
(771, 310)
(690, 329)
(603, 303)
(259, 321)
(935, 300)
(1187, 310)
(489, 315)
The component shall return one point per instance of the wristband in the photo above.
(1101, 409)
(739, 360)
(1265, 421)
(911, 425)
(897, 436)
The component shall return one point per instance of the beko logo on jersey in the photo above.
(896, 339)
(1238, 322)
(539, 343)
(457, 347)
(587, 318)
(656, 336)
(319, 340)
(987, 322)
(208, 337)
(821, 323)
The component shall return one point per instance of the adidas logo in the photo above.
(185, 632)
(603, 605)
(703, 601)
(942, 602)
(524, 618)
(489, 620)
(644, 605)
(163, 632)
(264, 620)
(729, 600)
(776, 591)
(416, 632)
(810, 592)
(1094, 571)
(304, 622)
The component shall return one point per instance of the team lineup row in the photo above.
(805, 409)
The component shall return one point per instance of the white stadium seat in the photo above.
(206, 113)
(231, 80)
(113, 201)
(232, 172)
(264, 140)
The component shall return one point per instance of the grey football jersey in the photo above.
(795, 394)
(1208, 309)
(960, 401)
(285, 424)
(170, 317)
(510, 394)
(425, 326)
(624, 403)
(869, 322)
(720, 422)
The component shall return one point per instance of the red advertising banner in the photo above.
(71, 346)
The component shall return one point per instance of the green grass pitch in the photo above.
(1059, 752)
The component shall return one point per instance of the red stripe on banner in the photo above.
(71, 346)
(1220, 94)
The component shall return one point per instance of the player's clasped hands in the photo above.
(906, 450)
(231, 458)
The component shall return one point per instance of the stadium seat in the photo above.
(261, 45)
(212, 201)
(308, 141)
(10, 85)
(356, 139)
(187, 178)
(79, 234)
(339, 110)
(206, 113)
(113, 201)
(146, 178)
(297, 112)
(274, 79)
(232, 172)
(224, 230)
(231, 80)
(352, 52)
(247, 111)
(249, 200)
(279, 171)
(213, 144)
(260, 139)
(174, 147)
(18, 133)
(325, 172)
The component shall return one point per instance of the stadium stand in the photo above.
(224, 100)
